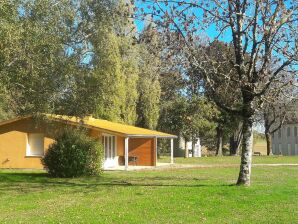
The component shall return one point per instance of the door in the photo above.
(110, 152)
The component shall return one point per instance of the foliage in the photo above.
(110, 78)
(260, 34)
(189, 117)
(73, 154)
(149, 89)
(76, 58)
(5, 112)
(111, 58)
(34, 68)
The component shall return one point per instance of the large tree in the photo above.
(265, 30)
(220, 91)
(107, 42)
(149, 89)
(43, 63)
(34, 67)
(273, 113)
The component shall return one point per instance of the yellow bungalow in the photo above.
(24, 140)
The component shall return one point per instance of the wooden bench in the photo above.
(257, 153)
(131, 159)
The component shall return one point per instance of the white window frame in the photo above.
(289, 149)
(111, 159)
(28, 147)
(289, 132)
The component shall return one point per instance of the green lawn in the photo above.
(170, 196)
(231, 160)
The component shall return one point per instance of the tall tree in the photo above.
(264, 30)
(149, 81)
(34, 68)
(274, 113)
(107, 36)
(221, 91)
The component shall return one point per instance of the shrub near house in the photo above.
(74, 154)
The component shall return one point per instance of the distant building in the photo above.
(180, 146)
(285, 140)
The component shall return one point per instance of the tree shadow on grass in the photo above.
(34, 182)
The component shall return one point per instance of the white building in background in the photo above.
(180, 148)
(285, 140)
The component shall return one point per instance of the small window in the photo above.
(35, 144)
(289, 131)
(295, 132)
(279, 133)
(289, 149)
(279, 149)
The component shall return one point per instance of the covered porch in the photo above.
(128, 156)
(134, 152)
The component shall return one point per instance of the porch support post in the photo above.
(126, 152)
(172, 151)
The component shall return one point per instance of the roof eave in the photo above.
(150, 136)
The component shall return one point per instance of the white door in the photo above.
(110, 152)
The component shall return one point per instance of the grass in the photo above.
(159, 196)
(225, 160)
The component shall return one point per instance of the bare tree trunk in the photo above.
(219, 133)
(236, 140)
(186, 155)
(269, 143)
(268, 125)
(193, 142)
(233, 148)
(246, 155)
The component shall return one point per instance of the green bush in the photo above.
(74, 154)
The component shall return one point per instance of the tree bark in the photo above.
(233, 148)
(193, 143)
(269, 143)
(186, 155)
(246, 155)
(219, 133)
(236, 140)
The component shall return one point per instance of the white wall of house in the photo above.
(197, 149)
(285, 140)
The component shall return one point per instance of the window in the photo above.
(35, 144)
(289, 131)
(289, 149)
(109, 143)
(279, 133)
(279, 149)
(295, 132)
